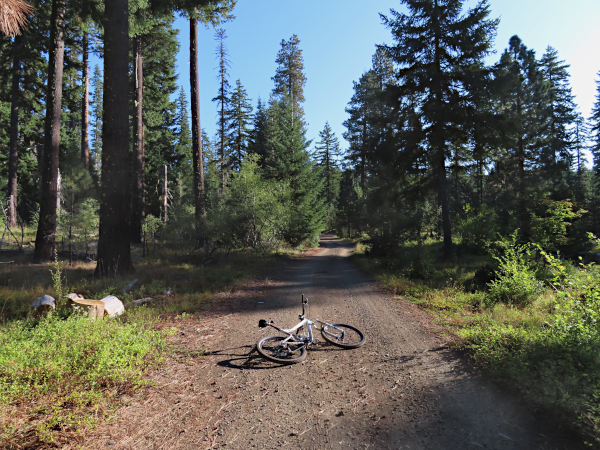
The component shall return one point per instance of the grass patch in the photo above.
(62, 375)
(547, 348)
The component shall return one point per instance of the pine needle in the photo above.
(13, 16)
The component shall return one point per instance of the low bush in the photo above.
(69, 367)
(516, 282)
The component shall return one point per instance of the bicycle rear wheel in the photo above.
(273, 349)
(344, 336)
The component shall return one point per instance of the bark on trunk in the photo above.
(198, 160)
(114, 254)
(439, 143)
(85, 106)
(444, 200)
(46, 232)
(138, 160)
(13, 157)
(165, 196)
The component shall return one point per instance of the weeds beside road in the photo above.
(63, 375)
(542, 343)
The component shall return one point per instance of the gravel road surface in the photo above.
(404, 389)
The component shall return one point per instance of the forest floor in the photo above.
(404, 389)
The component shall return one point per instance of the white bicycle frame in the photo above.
(292, 339)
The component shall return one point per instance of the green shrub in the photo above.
(71, 369)
(516, 282)
(577, 302)
(477, 228)
(550, 231)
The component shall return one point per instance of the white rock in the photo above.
(113, 306)
(73, 296)
(45, 300)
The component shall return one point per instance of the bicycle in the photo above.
(292, 348)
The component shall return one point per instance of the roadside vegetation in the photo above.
(64, 373)
(528, 318)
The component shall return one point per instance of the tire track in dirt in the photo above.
(404, 389)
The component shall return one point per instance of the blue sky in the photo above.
(338, 38)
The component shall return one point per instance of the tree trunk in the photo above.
(85, 106)
(13, 158)
(114, 254)
(445, 202)
(165, 196)
(439, 144)
(198, 160)
(46, 232)
(222, 133)
(138, 160)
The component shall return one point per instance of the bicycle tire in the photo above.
(268, 347)
(350, 338)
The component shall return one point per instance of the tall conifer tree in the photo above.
(595, 128)
(222, 100)
(327, 155)
(435, 45)
(238, 127)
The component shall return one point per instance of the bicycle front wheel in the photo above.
(344, 336)
(273, 349)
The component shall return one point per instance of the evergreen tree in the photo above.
(348, 212)
(258, 136)
(183, 136)
(290, 162)
(559, 117)
(327, 155)
(46, 232)
(96, 113)
(289, 76)
(435, 45)
(359, 124)
(595, 129)
(159, 118)
(223, 101)
(23, 71)
(239, 118)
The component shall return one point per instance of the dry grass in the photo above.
(30, 423)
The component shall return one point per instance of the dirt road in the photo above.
(404, 389)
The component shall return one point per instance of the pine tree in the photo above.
(114, 251)
(223, 101)
(359, 124)
(96, 113)
(435, 45)
(239, 118)
(258, 137)
(159, 118)
(24, 136)
(46, 232)
(183, 136)
(289, 76)
(327, 155)
(559, 117)
(290, 161)
(522, 96)
(595, 128)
